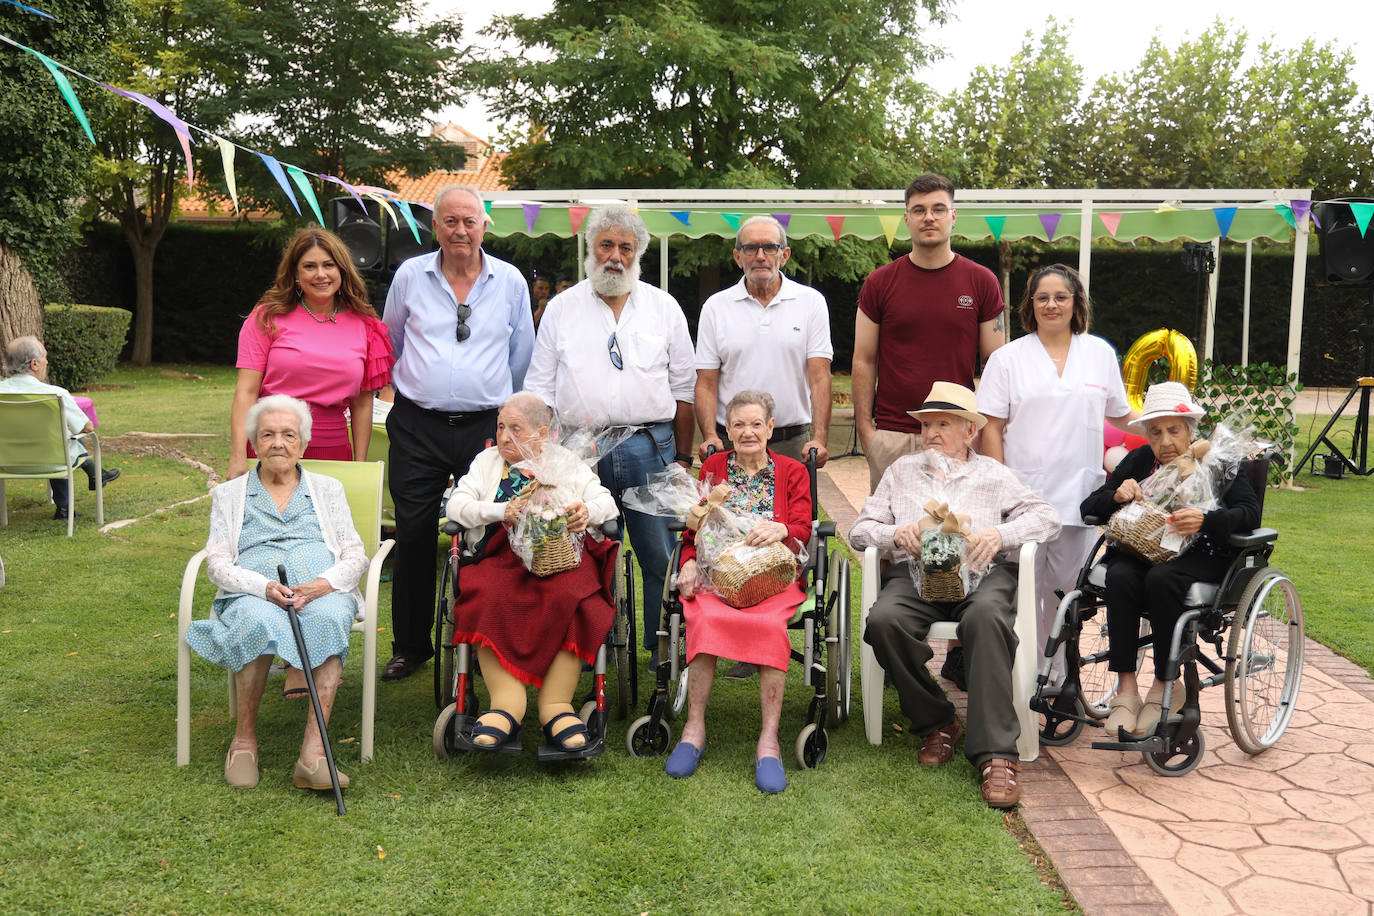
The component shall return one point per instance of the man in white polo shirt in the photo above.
(766, 333)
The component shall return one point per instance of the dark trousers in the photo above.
(1136, 589)
(897, 626)
(58, 485)
(427, 449)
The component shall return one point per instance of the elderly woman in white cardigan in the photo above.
(529, 630)
(280, 514)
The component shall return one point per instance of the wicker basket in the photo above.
(552, 555)
(765, 572)
(1140, 538)
(942, 584)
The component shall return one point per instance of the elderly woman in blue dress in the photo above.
(282, 514)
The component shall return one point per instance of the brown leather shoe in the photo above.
(1001, 785)
(401, 667)
(937, 748)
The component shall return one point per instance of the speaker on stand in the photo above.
(1347, 256)
(361, 230)
(401, 244)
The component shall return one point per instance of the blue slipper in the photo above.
(682, 762)
(768, 775)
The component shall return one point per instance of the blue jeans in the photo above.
(644, 453)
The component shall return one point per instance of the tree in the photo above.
(1000, 131)
(46, 152)
(1199, 117)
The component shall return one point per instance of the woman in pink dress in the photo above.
(314, 336)
(761, 483)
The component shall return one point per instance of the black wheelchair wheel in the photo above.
(643, 740)
(1181, 758)
(812, 743)
(445, 728)
(1054, 730)
(443, 638)
(838, 664)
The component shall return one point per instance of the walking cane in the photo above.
(314, 695)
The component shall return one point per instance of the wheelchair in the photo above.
(822, 618)
(454, 684)
(1252, 622)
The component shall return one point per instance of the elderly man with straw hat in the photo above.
(948, 487)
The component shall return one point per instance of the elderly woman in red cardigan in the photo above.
(761, 483)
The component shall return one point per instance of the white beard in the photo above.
(609, 284)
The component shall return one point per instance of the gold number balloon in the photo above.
(1156, 345)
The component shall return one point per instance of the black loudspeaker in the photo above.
(400, 243)
(361, 230)
(1347, 256)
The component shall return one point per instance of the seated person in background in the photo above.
(529, 630)
(1134, 587)
(1003, 514)
(26, 368)
(279, 513)
(761, 483)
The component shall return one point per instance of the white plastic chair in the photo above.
(1023, 667)
(34, 437)
(362, 482)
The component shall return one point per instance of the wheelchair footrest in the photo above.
(1151, 744)
(550, 754)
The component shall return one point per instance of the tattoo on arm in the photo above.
(1001, 326)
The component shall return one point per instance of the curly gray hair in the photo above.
(279, 402)
(617, 217)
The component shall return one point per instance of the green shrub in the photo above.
(83, 342)
(1261, 394)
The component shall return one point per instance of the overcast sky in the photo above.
(1105, 37)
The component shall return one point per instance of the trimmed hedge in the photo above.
(83, 342)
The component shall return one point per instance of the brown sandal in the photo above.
(1001, 789)
(937, 748)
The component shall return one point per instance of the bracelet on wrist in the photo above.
(689, 459)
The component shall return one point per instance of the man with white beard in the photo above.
(615, 352)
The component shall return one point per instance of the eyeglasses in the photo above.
(939, 211)
(613, 346)
(464, 332)
(1057, 298)
(770, 249)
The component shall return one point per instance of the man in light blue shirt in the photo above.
(462, 333)
(26, 365)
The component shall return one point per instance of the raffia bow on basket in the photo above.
(740, 574)
(944, 541)
(1139, 528)
(552, 549)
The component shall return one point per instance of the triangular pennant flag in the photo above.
(1166, 207)
(890, 222)
(404, 207)
(995, 223)
(306, 191)
(1301, 209)
(836, 225)
(1112, 221)
(65, 87)
(682, 216)
(386, 206)
(274, 167)
(1287, 213)
(182, 129)
(733, 220)
(486, 205)
(1362, 213)
(575, 217)
(531, 214)
(32, 10)
(1051, 222)
(347, 187)
(1225, 216)
(784, 218)
(226, 154)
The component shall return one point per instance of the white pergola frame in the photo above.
(1086, 200)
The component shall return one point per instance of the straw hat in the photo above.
(1168, 399)
(947, 397)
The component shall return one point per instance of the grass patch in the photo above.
(98, 819)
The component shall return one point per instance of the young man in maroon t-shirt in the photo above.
(929, 317)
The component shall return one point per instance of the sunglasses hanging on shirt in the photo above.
(464, 332)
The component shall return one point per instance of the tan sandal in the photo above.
(1124, 710)
(1151, 710)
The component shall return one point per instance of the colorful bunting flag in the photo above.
(486, 205)
(682, 216)
(784, 218)
(274, 167)
(182, 129)
(31, 10)
(404, 207)
(1303, 209)
(890, 222)
(1362, 214)
(226, 155)
(575, 217)
(1112, 221)
(531, 214)
(836, 226)
(1051, 222)
(64, 87)
(1166, 208)
(385, 205)
(1225, 216)
(347, 187)
(306, 191)
(1287, 213)
(733, 220)
(995, 223)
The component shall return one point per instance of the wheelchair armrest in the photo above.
(825, 529)
(450, 527)
(1253, 538)
(676, 525)
(611, 527)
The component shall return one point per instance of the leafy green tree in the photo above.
(46, 153)
(1200, 116)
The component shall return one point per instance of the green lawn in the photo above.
(96, 818)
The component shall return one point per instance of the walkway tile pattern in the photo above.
(1288, 831)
